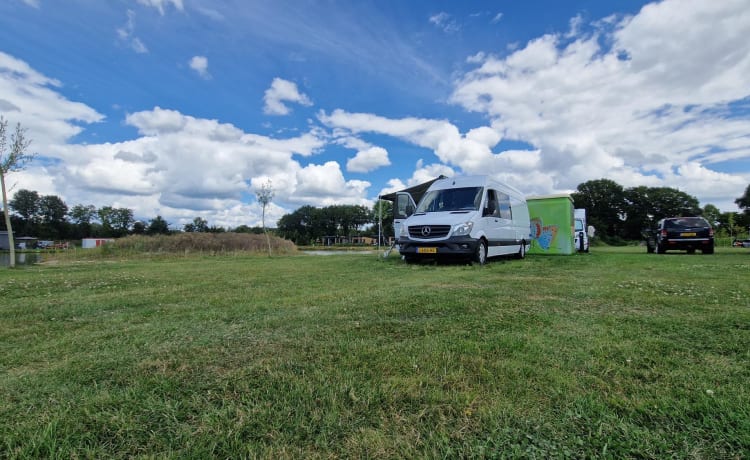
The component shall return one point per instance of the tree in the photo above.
(115, 221)
(158, 226)
(743, 202)
(644, 206)
(712, 214)
(303, 226)
(198, 225)
(265, 195)
(53, 211)
(25, 203)
(12, 160)
(82, 216)
(122, 219)
(604, 201)
(139, 228)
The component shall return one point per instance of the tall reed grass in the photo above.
(201, 243)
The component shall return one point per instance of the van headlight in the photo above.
(404, 231)
(463, 229)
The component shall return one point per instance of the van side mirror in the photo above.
(410, 209)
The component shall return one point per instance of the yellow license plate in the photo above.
(426, 250)
(688, 234)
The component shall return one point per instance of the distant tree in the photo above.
(106, 216)
(82, 216)
(139, 228)
(115, 221)
(265, 195)
(122, 220)
(246, 229)
(302, 226)
(743, 202)
(53, 212)
(604, 201)
(383, 209)
(25, 203)
(644, 206)
(198, 225)
(216, 229)
(158, 226)
(712, 214)
(12, 160)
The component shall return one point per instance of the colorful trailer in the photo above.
(552, 224)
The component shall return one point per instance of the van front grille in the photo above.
(427, 232)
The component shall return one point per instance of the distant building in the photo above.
(4, 244)
(90, 243)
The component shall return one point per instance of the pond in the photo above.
(22, 258)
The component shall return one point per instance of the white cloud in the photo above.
(200, 65)
(32, 99)
(282, 91)
(126, 34)
(326, 184)
(177, 166)
(653, 107)
(444, 22)
(368, 160)
(162, 4)
(32, 3)
(497, 18)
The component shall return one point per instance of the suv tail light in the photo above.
(710, 232)
(664, 233)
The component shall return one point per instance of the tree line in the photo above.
(309, 224)
(48, 217)
(620, 213)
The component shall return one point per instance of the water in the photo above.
(22, 258)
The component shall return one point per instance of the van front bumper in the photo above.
(454, 246)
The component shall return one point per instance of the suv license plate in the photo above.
(688, 234)
(426, 250)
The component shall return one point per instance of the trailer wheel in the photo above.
(480, 256)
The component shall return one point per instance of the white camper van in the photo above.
(467, 216)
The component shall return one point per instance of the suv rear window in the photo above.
(686, 222)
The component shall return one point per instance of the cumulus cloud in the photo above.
(368, 160)
(280, 92)
(200, 65)
(658, 95)
(33, 99)
(177, 166)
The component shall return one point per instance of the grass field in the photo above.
(607, 355)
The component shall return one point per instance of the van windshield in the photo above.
(451, 199)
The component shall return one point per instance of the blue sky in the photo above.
(182, 108)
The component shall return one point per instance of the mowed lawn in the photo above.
(613, 354)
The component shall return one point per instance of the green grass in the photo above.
(607, 355)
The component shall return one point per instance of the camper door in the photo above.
(404, 207)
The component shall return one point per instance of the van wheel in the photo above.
(480, 256)
(522, 251)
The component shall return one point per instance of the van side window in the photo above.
(504, 206)
(493, 209)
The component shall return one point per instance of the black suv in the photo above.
(684, 233)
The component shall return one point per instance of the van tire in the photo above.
(521, 254)
(480, 255)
